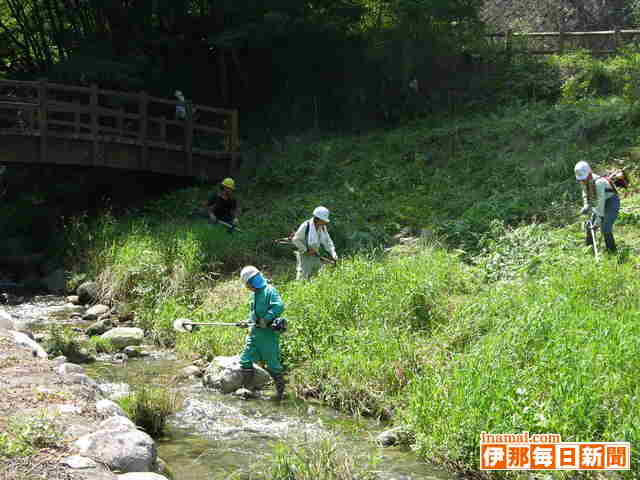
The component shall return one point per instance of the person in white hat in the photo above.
(600, 198)
(310, 236)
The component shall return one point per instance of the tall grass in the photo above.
(149, 408)
(507, 325)
(557, 354)
(313, 461)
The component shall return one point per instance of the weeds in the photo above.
(150, 407)
(101, 345)
(318, 460)
(24, 436)
(61, 340)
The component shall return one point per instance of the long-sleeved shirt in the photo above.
(301, 237)
(266, 304)
(596, 192)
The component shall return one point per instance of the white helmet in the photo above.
(322, 213)
(582, 170)
(248, 273)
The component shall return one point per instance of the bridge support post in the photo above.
(93, 109)
(144, 122)
(188, 138)
(42, 118)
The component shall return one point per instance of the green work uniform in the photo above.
(263, 343)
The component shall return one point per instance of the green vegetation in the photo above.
(149, 408)
(62, 340)
(498, 320)
(23, 437)
(101, 345)
(320, 459)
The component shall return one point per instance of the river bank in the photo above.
(212, 436)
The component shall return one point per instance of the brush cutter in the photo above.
(286, 241)
(186, 325)
(230, 226)
(592, 229)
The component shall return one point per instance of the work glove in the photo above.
(597, 221)
(584, 210)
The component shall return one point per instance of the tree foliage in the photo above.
(327, 57)
(565, 15)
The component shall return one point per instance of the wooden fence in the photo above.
(48, 110)
(604, 42)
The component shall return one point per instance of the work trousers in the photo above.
(262, 345)
(307, 266)
(611, 210)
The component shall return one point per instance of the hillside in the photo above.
(499, 321)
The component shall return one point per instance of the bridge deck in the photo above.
(41, 122)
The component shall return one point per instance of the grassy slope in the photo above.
(442, 338)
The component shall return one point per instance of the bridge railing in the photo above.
(47, 109)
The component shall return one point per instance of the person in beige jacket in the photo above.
(310, 236)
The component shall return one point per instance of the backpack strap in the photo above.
(612, 185)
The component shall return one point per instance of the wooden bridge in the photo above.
(48, 123)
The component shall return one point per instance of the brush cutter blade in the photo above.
(182, 325)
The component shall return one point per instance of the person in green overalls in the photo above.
(263, 341)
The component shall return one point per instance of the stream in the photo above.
(214, 435)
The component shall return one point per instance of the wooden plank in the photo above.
(188, 139)
(163, 128)
(19, 105)
(43, 100)
(70, 88)
(235, 134)
(222, 111)
(220, 131)
(132, 96)
(76, 121)
(68, 123)
(18, 83)
(144, 126)
(93, 102)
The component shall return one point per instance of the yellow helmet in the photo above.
(229, 183)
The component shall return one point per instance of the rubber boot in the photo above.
(609, 242)
(247, 377)
(278, 379)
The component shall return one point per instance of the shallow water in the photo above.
(214, 436)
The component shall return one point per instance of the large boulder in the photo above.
(124, 451)
(108, 408)
(122, 337)
(224, 374)
(99, 327)
(24, 341)
(95, 312)
(68, 369)
(117, 423)
(88, 293)
(141, 476)
(6, 321)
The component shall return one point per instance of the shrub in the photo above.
(149, 407)
(23, 436)
(62, 340)
(101, 345)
